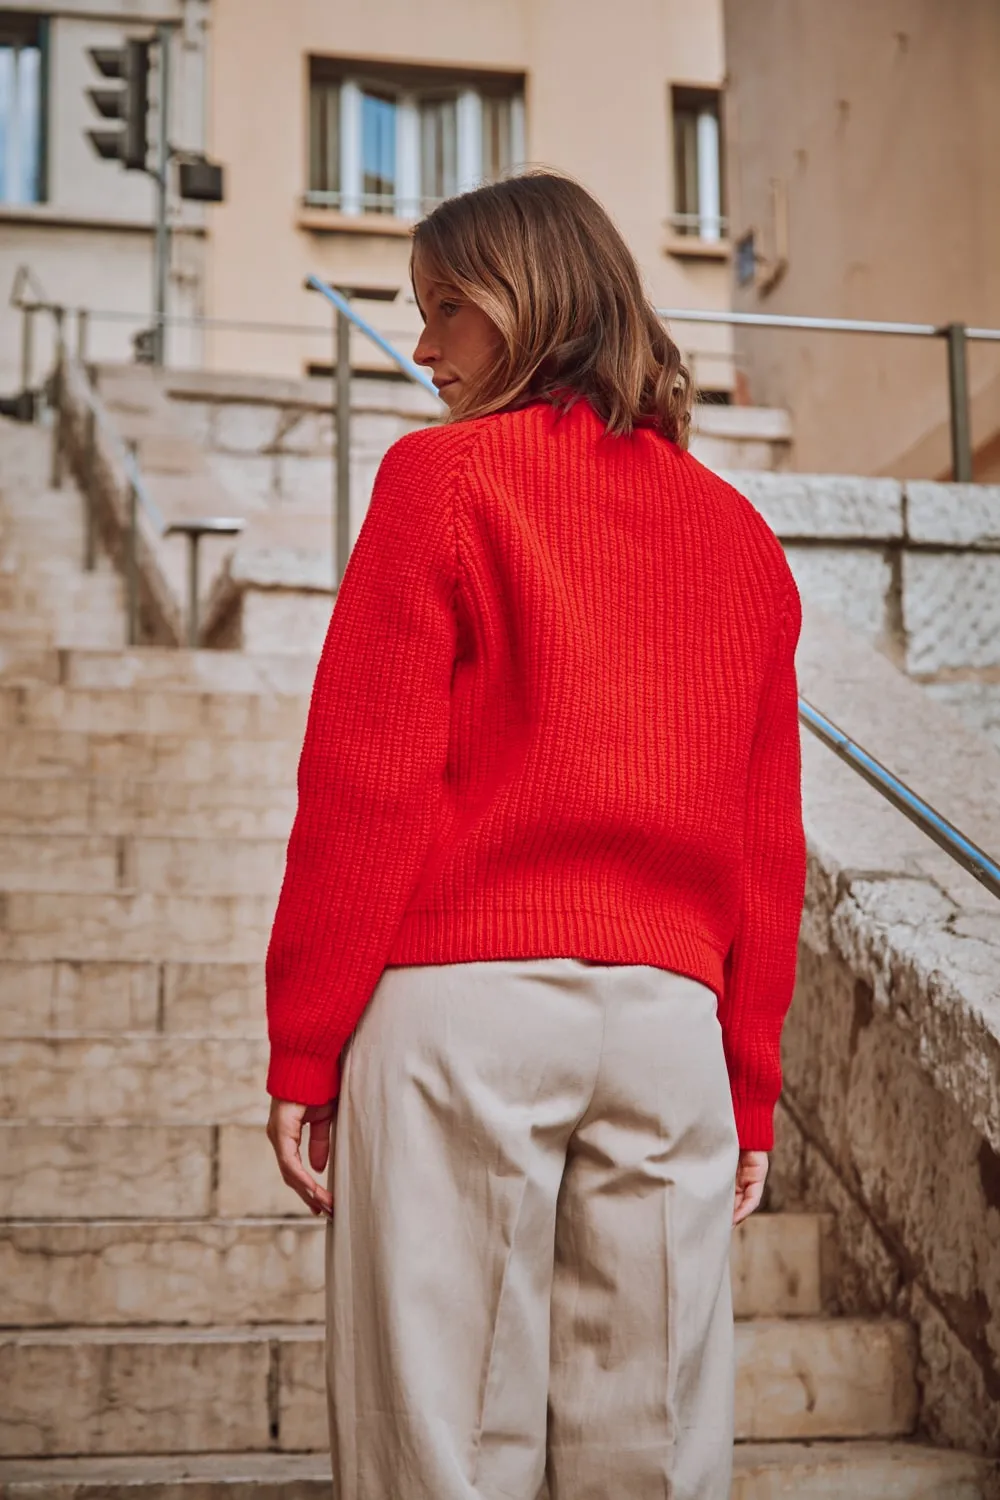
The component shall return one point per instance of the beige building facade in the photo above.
(340, 123)
(862, 156)
(337, 125)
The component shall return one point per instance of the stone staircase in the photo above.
(160, 1287)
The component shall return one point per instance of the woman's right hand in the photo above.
(284, 1131)
(750, 1174)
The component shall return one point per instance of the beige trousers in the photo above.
(528, 1265)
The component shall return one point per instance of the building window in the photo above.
(22, 106)
(699, 202)
(400, 144)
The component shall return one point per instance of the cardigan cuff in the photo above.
(754, 1125)
(302, 1078)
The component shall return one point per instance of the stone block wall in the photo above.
(912, 566)
(890, 1114)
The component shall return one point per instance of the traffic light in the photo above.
(129, 64)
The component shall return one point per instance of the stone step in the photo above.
(240, 1389)
(64, 862)
(204, 1271)
(61, 1171)
(201, 809)
(898, 1470)
(162, 669)
(173, 757)
(58, 996)
(120, 1078)
(42, 925)
(193, 1272)
(858, 1470)
(136, 711)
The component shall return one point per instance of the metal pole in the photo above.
(82, 328)
(194, 538)
(132, 551)
(161, 260)
(342, 498)
(59, 394)
(27, 347)
(958, 402)
(89, 499)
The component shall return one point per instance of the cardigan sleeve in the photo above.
(371, 774)
(761, 965)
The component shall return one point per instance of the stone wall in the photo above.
(890, 1116)
(913, 567)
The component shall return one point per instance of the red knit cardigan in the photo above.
(555, 714)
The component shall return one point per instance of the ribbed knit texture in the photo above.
(555, 715)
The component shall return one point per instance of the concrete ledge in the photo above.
(891, 1052)
(953, 515)
(824, 507)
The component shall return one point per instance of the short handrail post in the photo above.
(82, 334)
(89, 487)
(132, 548)
(194, 531)
(958, 402)
(59, 399)
(342, 399)
(194, 537)
(27, 347)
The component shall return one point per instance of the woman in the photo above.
(543, 891)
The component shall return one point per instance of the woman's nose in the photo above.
(426, 351)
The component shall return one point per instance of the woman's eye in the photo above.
(448, 308)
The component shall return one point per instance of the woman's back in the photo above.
(551, 659)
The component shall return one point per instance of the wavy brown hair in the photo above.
(546, 264)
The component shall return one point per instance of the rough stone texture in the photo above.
(825, 507)
(276, 620)
(187, 1272)
(951, 610)
(823, 1378)
(134, 1391)
(136, 1171)
(777, 1266)
(761, 1471)
(852, 584)
(893, 1040)
(115, 1079)
(214, 998)
(202, 1476)
(249, 1184)
(976, 703)
(68, 996)
(953, 515)
(232, 929)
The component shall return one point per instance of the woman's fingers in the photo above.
(284, 1131)
(751, 1173)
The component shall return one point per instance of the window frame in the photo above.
(30, 29)
(697, 105)
(409, 88)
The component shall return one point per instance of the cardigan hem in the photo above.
(467, 935)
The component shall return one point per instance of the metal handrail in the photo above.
(978, 863)
(344, 308)
(138, 498)
(955, 335)
(346, 318)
